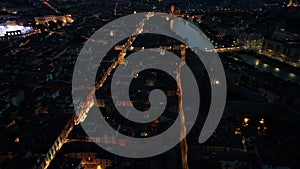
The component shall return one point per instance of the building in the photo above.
(11, 29)
(46, 19)
(284, 44)
(18, 98)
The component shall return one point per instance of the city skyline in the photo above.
(258, 43)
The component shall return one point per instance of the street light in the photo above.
(262, 121)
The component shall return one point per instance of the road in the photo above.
(120, 60)
(183, 143)
(90, 102)
(51, 7)
(90, 99)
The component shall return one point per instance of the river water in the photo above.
(195, 37)
(278, 70)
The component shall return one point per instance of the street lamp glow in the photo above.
(245, 123)
(257, 61)
(262, 121)
(292, 75)
(111, 33)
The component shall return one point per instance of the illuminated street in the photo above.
(257, 41)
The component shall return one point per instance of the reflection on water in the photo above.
(262, 66)
(198, 39)
(190, 32)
